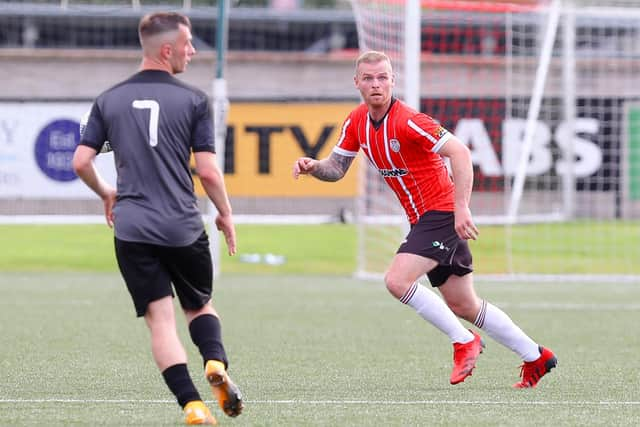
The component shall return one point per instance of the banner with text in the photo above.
(37, 141)
(264, 140)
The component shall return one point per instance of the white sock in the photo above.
(434, 310)
(501, 328)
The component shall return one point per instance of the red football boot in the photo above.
(532, 372)
(464, 358)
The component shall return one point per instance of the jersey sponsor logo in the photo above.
(393, 172)
(395, 145)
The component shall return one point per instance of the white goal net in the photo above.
(545, 94)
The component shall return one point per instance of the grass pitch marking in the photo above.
(343, 402)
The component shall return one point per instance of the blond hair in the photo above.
(372, 57)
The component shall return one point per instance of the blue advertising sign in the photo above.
(54, 148)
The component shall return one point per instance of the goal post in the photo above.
(544, 95)
(534, 109)
(381, 222)
(412, 53)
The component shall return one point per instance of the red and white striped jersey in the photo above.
(403, 146)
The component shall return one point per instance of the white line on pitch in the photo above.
(566, 306)
(569, 306)
(350, 402)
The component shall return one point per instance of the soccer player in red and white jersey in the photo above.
(407, 147)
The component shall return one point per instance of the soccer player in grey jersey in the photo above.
(153, 123)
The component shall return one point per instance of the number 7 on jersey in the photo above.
(154, 109)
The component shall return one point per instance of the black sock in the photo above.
(179, 382)
(206, 334)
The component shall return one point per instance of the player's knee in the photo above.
(457, 308)
(396, 285)
(465, 309)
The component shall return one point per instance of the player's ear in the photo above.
(166, 50)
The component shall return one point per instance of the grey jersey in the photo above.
(153, 122)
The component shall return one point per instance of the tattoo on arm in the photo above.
(333, 168)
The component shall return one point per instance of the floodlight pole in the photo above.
(220, 109)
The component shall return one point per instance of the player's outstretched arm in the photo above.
(333, 168)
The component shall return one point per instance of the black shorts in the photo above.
(435, 237)
(149, 270)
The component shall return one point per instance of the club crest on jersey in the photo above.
(395, 145)
(440, 132)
